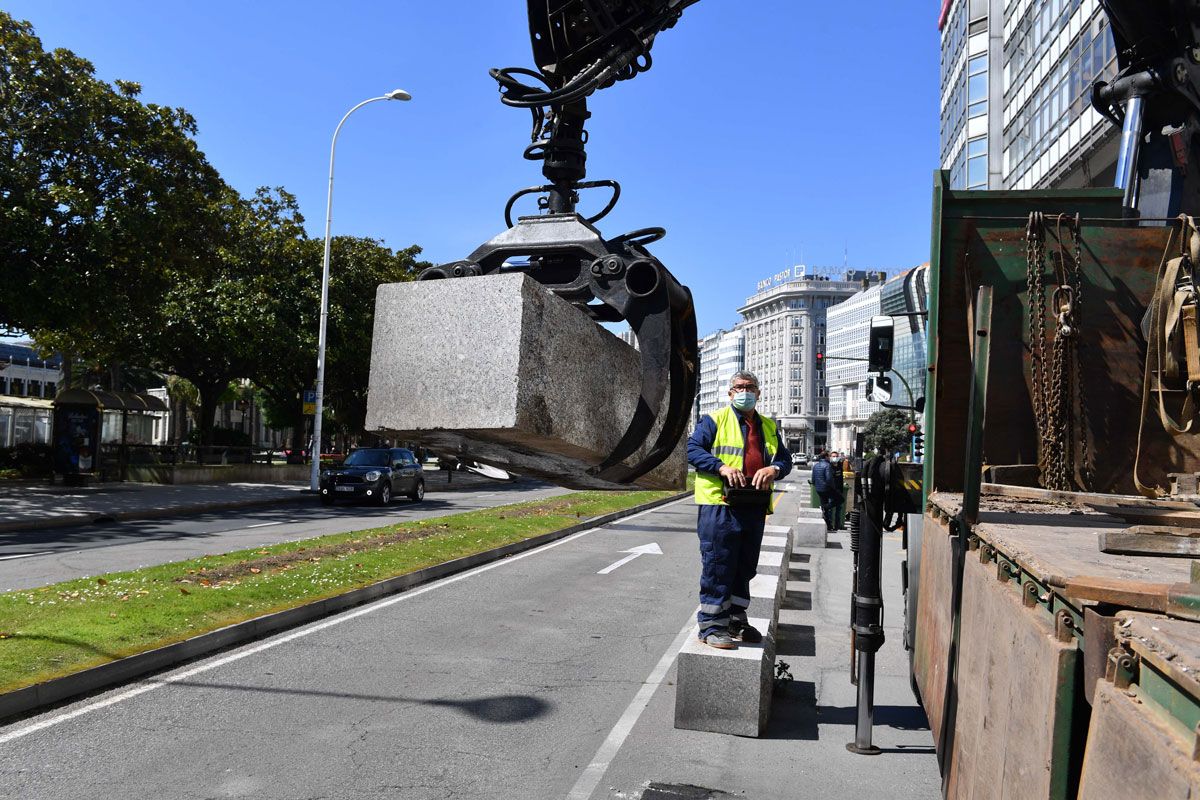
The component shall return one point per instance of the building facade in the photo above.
(1016, 78)
(784, 326)
(849, 326)
(23, 373)
(721, 355)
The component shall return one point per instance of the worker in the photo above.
(733, 448)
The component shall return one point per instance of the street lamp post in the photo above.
(315, 475)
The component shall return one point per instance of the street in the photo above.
(534, 676)
(38, 557)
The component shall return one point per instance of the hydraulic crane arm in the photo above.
(1155, 98)
(580, 46)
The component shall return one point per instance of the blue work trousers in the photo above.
(730, 539)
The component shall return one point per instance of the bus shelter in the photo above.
(88, 422)
(24, 420)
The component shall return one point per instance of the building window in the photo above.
(795, 390)
(977, 163)
(795, 322)
(795, 356)
(16, 387)
(51, 389)
(795, 408)
(34, 388)
(977, 88)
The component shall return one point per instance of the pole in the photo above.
(315, 473)
(866, 601)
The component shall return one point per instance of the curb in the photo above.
(90, 518)
(22, 702)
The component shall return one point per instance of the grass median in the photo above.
(66, 627)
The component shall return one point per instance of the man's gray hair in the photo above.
(745, 376)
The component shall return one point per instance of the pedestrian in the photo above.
(823, 482)
(733, 449)
(839, 482)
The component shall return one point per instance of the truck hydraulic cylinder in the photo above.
(867, 599)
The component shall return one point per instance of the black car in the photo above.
(375, 473)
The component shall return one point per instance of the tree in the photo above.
(358, 266)
(886, 431)
(97, 193)
(218, 320)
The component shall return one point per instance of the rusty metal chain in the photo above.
(1059, 400)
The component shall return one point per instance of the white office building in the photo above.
(1016, 79)
(784, 327)
(849, 327)
(721, 355)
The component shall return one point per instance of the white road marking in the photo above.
(264, 525)
(641, 550)
(25, 555)
(329, 623)
(594, 772)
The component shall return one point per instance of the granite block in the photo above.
(725, 691)
(809, 533)
(496, 369)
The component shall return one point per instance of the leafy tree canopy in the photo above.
(886, 431)
(97, 190)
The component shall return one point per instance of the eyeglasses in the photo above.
(745, 387)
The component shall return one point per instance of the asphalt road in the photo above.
(38, 557)
(515, 680)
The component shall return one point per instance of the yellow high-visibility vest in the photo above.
(729, 446)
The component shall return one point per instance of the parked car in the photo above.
(799, 460)
(374, 473)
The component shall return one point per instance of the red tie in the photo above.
(752, 460)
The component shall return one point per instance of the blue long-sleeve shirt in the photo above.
(700, 443)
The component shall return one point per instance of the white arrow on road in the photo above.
(641, 550)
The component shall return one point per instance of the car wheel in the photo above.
(326, 499)
(418, 492)
(385, 493)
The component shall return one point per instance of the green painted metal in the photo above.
(978, 239)
(1175, 702)
(977, 408)
(1183, 601)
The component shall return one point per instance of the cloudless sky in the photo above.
(767, 131)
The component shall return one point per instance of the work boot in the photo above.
(719, 639)
(743, 631)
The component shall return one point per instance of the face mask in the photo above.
(744, 401)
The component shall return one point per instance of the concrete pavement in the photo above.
(517, 679)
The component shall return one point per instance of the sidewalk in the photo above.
(26, 506)
(803, 752)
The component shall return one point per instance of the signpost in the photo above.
(310, 402)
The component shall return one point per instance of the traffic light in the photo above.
(918, 443)
(912, 428)
(820, 360)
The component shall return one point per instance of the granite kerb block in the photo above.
(497, 369)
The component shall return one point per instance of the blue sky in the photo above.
(766, 132)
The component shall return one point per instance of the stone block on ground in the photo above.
(725, 691)
(809, 533)
(498, 370)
